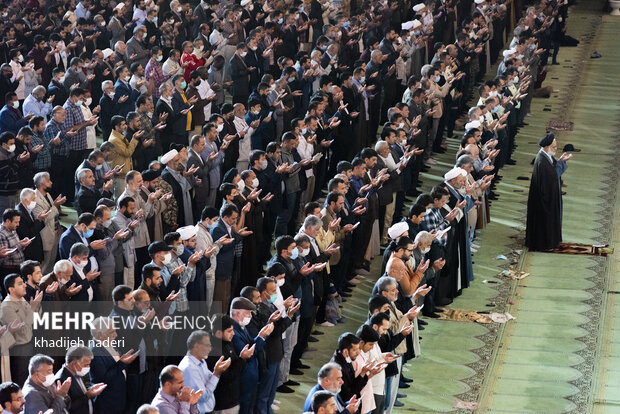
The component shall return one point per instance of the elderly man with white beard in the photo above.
(458, 271)
(467, 163)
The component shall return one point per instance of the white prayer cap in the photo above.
(397, 230)
(119, 6)
(453, 173)
(107, 53)
(418, 7)
(187, 232)
(407, 25)
(167, 157)
(244, 2)
(472, 125)
(509, 52)
(479, 1)
(416, 24)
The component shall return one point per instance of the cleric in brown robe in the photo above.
(544, 203)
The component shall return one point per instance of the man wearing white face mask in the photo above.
(240, 75)
(423, 243)
(241, 310)
(81, 275)
(176, 274)
(77, 367)
(40, 391)
(111, 254)
(30, 225)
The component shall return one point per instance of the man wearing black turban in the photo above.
(544, 203)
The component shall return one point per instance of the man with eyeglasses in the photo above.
(11, 398)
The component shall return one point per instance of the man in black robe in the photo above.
(544, 203)
(457, 274)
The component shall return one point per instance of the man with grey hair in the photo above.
(109, 366)
(147, 409)
(312, 228)
(50, 233)
(77, 368)
(137, 50)
(423, 242)
(30, 225)
(36, 104)
(405, 324)
(41, 391)
(61, 274)
(88, 195)
(329, 379)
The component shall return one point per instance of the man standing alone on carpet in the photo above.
(544, 203)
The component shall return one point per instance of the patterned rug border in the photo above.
(505, 289)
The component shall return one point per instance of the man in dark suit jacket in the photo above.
(78, 233)
(240, 309)
(164, 106)
(121, 89)
(181, 106)
(254, 59)
(274, 347)
(109, 369)
(77, 367)
(108, 109)
(82, 275)
(11, 119)
(87, 196)
(201, 191)
(239, 74)
(269, 181)
(6, 86)
(229, 214)
(30, 226)
(348, 349)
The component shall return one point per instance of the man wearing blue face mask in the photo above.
(266, 313)
(78, 233)
(109, 258)
(11, 118)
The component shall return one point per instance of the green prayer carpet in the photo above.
(562, 353)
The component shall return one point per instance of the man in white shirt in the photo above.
(171, 66)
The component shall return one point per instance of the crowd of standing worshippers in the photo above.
(263, 210)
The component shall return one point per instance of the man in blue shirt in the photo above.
(197, 373)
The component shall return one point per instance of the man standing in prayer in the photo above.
(544, 203)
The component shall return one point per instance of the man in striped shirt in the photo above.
(77, 145)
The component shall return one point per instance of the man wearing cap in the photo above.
(395, 232)
(242, 312)
(196, 288)
(544, 203)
